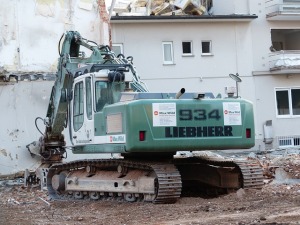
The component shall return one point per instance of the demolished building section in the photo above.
(161, 7)
(30, 32)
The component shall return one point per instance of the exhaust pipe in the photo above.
(181, 92)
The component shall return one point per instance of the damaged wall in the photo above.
(20, 104)
(30, 32)
(160, 7)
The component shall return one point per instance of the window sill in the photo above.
(207, 54)
(168, 64)
(187, 55)
(288, 116)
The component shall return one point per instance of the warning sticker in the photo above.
(164, 114)
(232, 113)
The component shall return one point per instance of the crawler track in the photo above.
(252, 174)
(167, 186)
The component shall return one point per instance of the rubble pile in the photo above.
(276, 203)
(281, 171)
(285, 164)
(13, 193)
(161, 7)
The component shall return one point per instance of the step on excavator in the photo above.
(99, 98)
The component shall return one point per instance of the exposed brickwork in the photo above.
(104, 16)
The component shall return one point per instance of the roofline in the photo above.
(183, 18)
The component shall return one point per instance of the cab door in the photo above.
(82, 112)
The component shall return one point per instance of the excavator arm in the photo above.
(72, 63)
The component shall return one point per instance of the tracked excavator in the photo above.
(106, 108)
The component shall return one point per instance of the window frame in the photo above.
(191, 48)
(88, 98)
(290, 104)
(165, 62)
(118, 45)
(78, 106)
(210, 48)
(98, 85)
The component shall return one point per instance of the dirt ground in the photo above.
(278, 202)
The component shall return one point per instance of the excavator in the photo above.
(99, 98)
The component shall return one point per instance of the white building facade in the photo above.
(258, 39)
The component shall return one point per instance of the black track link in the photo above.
(169, 183)
(252, 174)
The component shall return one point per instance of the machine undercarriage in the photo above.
(150, 181)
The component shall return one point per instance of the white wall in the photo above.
(20, 104)
(231, 47)
(30, 31)
(266, 105)
(221, 7)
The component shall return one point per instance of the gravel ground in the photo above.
(274, 204)
(278, 202)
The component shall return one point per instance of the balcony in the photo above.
(283, 10)
(285, 61)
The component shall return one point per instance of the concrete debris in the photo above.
(44, 201)
(240, 193)
(283, 177)
(161, 7)
(18, 181)
(13, 201)
(185, 154)
(252, 155)
(281, 166)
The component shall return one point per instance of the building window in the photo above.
(288, 102)
(187, 48)
(206, 48)
(117, 49)
(168, 52)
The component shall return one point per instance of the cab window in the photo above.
(101, 95)
(78, 106)
(88, 91)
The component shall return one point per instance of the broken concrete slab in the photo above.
(283, 177)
